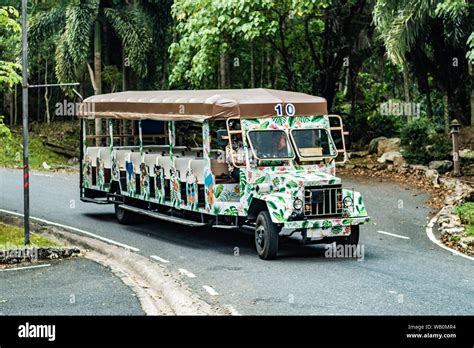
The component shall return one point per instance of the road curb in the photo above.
(431, 236)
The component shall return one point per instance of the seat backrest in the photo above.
(135, 158)
(150, 161)
(165, 162)
(106, 157)
(93, 153)
(182, 165)
(197, 166)
(120, 156)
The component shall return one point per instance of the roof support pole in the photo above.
(171, 134)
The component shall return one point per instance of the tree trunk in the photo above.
(164, 69)
(252, 66)
(224, 70)
(38, 99)
(446, 112)
(406, 82)
(406, 86)
(429, 106)
(11, 102)
(46, 95)
(270, 63)
(97, 77)
(471, 73)
(15, 115)
(275, 71)
(219, 82)
(262, 66)
(125, 73)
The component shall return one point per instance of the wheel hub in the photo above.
(260, 236)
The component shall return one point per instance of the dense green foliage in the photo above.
(466, 213)
(11, 237)
(358, 54)
(9, 40)
(422, 144)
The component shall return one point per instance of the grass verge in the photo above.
(465, 212)
(61, 133)
(11, 237)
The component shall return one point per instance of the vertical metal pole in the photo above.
(81, 155)
(26, 174)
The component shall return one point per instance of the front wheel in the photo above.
(266, 236)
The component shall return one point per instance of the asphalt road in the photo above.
(400, 276)
(76, 286)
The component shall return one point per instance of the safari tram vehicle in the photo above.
(263, 159)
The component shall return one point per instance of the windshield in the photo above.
(270, 144)
(313, 143)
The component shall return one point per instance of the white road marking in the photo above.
(210, 290)
(393, 234)
(187, 273)
(392, 291)
(429, 232)
(157, 258)
(232, 310)
(27, 267)
(90, 234)
(41, 174)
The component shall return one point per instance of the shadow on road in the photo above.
(219, 240)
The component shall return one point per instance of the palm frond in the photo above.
(45, 24)
(133, 29)
(399, 24)
(65, 68)
(80, 20)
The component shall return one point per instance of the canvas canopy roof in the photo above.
(199, 105)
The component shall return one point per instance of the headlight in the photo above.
(262, 188)
(348, 202)
(298, 204)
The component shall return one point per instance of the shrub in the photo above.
(440, 147)
(421, 144)
(5, 133)
(386, 126)
(465, 212)
(414, 139)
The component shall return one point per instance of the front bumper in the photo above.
(327, 227)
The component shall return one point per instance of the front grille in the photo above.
(323, 201)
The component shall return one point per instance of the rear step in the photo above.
(111, 198)
(163, 216)
(226, 227)
(95, 200)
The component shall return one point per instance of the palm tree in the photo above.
(79, 25)
(408, 26)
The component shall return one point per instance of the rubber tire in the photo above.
(352, 239)
(270, 244)
(124, 217)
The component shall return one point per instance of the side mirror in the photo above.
(222, 137)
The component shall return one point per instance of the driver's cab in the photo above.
(283, 141)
